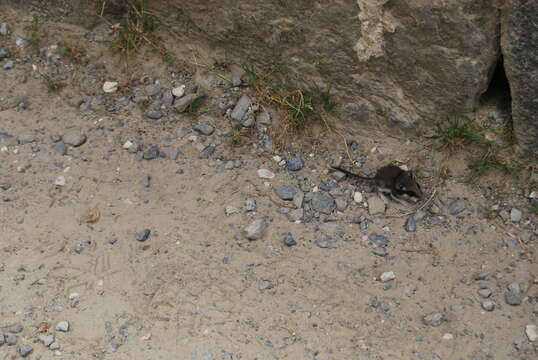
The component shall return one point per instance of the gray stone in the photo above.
(152, 152)
(457, 207)
(11, 340)
(25, 139)
(204, 128)
(142, 235)
(515, 215)
(376, 206)
(298, 199)
(326, 242)
(61, 149)
(76, 101)
(15, 329)
(341, 203)
(241, 108)
(25, 350)
(2, 339)
(46, 339)
(379, 240)
(152, 89)
(410, 224)
(85, 106)
(168, 98)
(174, 153)
(295, 215)
(250, 205)
(513, 295)
(295, 164)
(485, 293)
(74, 138)
(488, 305)
(434, 319)
(154, 114)
(145, 182)
(285, 192)
(255, 230)
(265, 285)
(4, 53)
(207, 151)
(9, 65)
(183, 103)
(248, 121)
(322, 203)
(55, 138)
(4, 29)
(288, 239)
(62, 326)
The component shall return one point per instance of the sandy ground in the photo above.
(196, 288)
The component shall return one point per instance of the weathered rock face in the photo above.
(519, 46)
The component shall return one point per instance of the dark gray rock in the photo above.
(204, 129)
(285, 192)
(207, 151)
(25, 139)
(61, 149)
(11, 340)
(379, 240)
(145, 181)
(142, 235)
(4, 53)
(154, 114)
(241, 108)
(513, 295)
(289, 240)
(74, 138)
(25, 350)
(295, 164)
(410, 224)
(323, 203)
(152, 153)
(457, 207)
(326, 242)
(168, 98)
(434, 319)
(152, 89)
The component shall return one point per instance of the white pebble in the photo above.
(60, 181)
(532, 332)
(282, 163)
(358, 197)
(448, 336)
(62, 326)
(110, 86)
(387, 276)
(178, 91)
(277, 158)
(265, 174)
(127, 144)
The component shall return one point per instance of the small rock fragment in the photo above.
(241, 108)
(60, 181)
(142, 235)
(46, 339)
(154, 114)
(25, 350)
(110, 86)
(74, 138)
(434, 319)
(387, 276)
(488, 305)
(376, 206)
(515, 215)
(513, 295)
(295, 164)
(204, 129)
(289, 240)
(410, 224)
(457, 207)
(183, 103)
(250, 205)
(255, 230)
(62, 326)
(357, 197)
(323, 203)
(230, 210)
(532, 332)
(265, 174)
(265, 285)
(178, 91)
(207, 151)
(152, 153)
(379, 240)
(285, 192)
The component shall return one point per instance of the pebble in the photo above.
(25, 139)
(4, 53)
(241, 108)
(457, 207)
(9, 65)
(154, 114)
(168, 98)
(295, 164)
(341, 203)
(204, 129)
(60, 181)
(420, 215)
(61, 149)
(110, 86)
(207, 151)
(230, 210)
(265, 174)
(181, 104)
(62, 326)
(485, 293)
(174, 153)
(357, 197)
(145, 182)
(152, 153)
(4, 29)
(298, 199)
(379, 240)
(326, 242)
(74, 138)
(255, 230)
(513, 295)
(46, 339)
(265, 285)
(387, 276)
(410, 224)
(15, 329)
(532, 332)
(289, 240)
(488, 305)
(295, 215)
(142, 235)
(25, 350)
(434, 319)
(178, 91)
(2, 339)
(376, 206)
(285, 192)
(54, 346)
(322, 203)
(152, 89)
(250, 205)
(11, 340)
(515, 215)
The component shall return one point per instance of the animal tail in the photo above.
(349, 173)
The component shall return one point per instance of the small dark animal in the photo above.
(390, 179)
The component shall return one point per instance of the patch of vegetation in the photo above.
(239, 133)
(36, 34)
(489, 162)
(194, 108)
(72, 52)
(52, 83)
(457, 133)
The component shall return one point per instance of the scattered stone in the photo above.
(76, 101)
(410, 224)
(376, 206)
(110, 86)
(54, 346)
(357, 197)
(265, 285)
(9, 65)
(434, 319)
(298, 199)
(515, 215)
(152, 153)
(207, 151)
(46, 339)
(62, 326)
(145, 182)
(11, 340)
(25, 139)
(4, 29)
(457, 207)
(74, 138)
(15, 329)
(341, 203)
(168, 98)
(241, 108)
(183, 103)
(60, 181)
(142, 235)
(295, 215)
(25, 350)
(250, 205)
(513, 295)
(379, 240)
(178, 91)
(265, 174)
(326, 242)
(295, 164)
(285, 192)
(4, 53)
(230, 210)
(204, 129)
(174, 153)
(154, 114)
(485, 293)
(61, 149)
(323, 203)
(488, 305)
(420, 215)
(289, 240)
(532, 332)
(255, 230)
(387, 276)
(152, 89)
